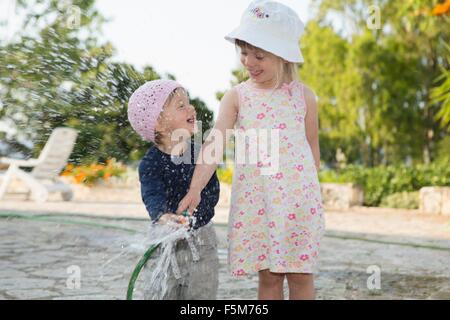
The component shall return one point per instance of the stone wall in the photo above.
(336, 196)
(341, 196)
(435, 200)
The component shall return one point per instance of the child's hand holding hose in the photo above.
(189, 202)
(168, 218)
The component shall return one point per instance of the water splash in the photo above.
(157, 274)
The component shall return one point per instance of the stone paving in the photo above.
(37, 259)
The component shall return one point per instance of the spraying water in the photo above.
(157, 244)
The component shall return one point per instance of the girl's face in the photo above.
(261, 65)
(178, 114)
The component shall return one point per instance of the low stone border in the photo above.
(435, 200)
(341, 196)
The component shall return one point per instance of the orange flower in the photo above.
(80, 177)
(90, 173)
(441, 9)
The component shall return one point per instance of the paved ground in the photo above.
(412, 252)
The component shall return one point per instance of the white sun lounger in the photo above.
(44, 177)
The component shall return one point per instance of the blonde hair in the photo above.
(285, 69)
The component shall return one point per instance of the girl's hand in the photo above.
(172, 218)
(189, 202)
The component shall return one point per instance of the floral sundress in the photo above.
(276, 216)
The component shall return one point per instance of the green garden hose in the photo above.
(142, 263)
(46, 218)
(138, 269)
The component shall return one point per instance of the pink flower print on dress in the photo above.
(241, 177)
(299, 119)
(291, 216)
(241, 213)
(290, 145)
(271, 224)
(238, 225)
(240, 272)
(260, 116)
(262, 257)
(279, 176)
(299, 167)
(294, 234)
(282, 126)
(313, 210)
(261, 212)
(304, 257)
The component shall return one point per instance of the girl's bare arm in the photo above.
(211, 153)
(312, 125)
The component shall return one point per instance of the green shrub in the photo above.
(405, 200)
(380, 182)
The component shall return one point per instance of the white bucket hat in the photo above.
(273, 27)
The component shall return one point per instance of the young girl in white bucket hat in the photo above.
(276, 220)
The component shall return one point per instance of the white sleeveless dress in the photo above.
(277, 219)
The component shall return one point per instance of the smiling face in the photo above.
(177, 115)
(263, 67)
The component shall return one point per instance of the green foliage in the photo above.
(382, 181)
(375, 86)
(405, 200)
(441, 94)
(62, 76)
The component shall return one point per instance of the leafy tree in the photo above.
(382, 80)
(58, 74)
